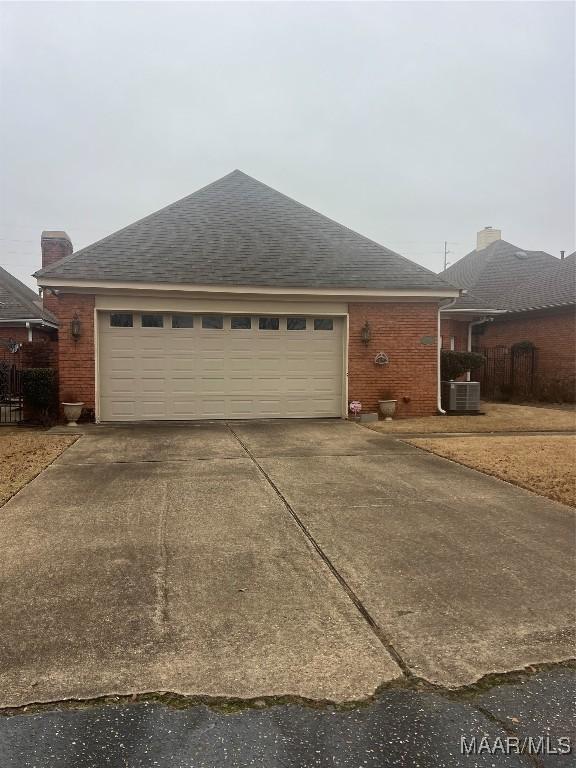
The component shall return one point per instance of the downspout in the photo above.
(441, 411)
(29, 327)
(475, 322)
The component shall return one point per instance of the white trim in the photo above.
(346, 342)
(96, 367)
(25, 321)
(477, 311)
(230, 306)
(247, 289)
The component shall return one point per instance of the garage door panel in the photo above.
(119, 409)
(195, 373)
(241, 385)
(241, 409)
(152, 408)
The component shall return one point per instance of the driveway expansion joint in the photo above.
(374, 626)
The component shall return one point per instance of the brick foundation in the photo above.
(402, 330)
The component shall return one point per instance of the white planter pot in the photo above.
(387, 408)
(72, 413)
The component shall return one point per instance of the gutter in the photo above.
(491, 311)
(27, 320)
(470, 324)
(441, 307)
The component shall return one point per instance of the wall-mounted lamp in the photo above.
(366, 333)
(75, 327)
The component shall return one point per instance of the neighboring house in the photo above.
(22, 314)
(238, 302)
(513, 296)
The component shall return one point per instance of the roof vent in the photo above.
(521, 255)
(486, 237)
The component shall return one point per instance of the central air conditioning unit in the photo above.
(461, 396)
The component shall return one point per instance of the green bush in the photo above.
(454, 364)
(523, 346)
(40, 392)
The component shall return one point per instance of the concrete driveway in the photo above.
(312, 559)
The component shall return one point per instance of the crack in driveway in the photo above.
(161, 605)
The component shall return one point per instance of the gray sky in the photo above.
(412, 123)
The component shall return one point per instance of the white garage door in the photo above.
(167, 365)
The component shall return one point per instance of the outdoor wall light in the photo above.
(366, 333)
(75, 327)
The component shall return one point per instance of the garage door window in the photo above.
(268, 323)
(213, 322)
(152, 321)
(323, 324)
(120, 320)
(296, 324)
(240, 323)
(183, 321)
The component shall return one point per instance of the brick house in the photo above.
(238, 302)
(512, 296)
(23, 317)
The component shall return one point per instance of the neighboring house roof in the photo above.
(554, 288)
(18, 302)
(503, 277)
(238, 231)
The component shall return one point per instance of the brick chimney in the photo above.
(55, 245)
(486, 237)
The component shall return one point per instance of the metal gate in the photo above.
(508, 372)
(11, 401)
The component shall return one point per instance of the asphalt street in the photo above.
(398, 728)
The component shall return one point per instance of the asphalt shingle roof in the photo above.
(238, 231)
(503, 276)
(18, 302)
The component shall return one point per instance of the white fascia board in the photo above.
(247, 290)
(455, 310)
(23, 321)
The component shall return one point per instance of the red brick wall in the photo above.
(553, 333)
(76, 362)
(458, 329)
(397, 329)
(40, 354)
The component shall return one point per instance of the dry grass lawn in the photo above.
(499, 417)
(543, 464)
(23, 454)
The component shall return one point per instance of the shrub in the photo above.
(40, 392)
(454, 364)
(522, 346)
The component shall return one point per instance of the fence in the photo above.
(14, 358)
(508, 372)
(11, 402)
